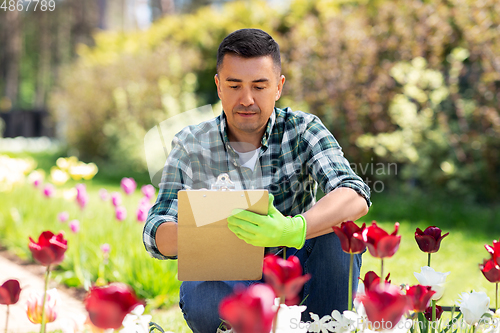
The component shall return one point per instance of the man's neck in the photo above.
(243, 142)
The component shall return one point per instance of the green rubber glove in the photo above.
(269, 230)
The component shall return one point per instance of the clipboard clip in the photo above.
(223, 183)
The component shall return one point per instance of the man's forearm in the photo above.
(166, 239)
(341, 204)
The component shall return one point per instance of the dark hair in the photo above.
(249, 43)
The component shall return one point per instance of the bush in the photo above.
(338, 59)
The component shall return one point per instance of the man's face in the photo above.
(248, 89)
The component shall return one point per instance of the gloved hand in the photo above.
(269, 230)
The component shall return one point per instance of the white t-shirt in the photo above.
(248, 159)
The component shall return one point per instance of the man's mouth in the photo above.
(246, 114)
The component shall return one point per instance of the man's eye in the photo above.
(259, 88)
(233, 87)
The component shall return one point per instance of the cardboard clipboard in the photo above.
(207, 250)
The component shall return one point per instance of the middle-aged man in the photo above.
(288, 153)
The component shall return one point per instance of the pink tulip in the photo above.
(116, 199)
(142, 213)
(121, 213)
(63, 217)
(75, 226)
(103, 194)
(148, 191)
(48, 190)
(35, 304)
(37, 182)
(81, 195)
(128, 185)
(105, 248)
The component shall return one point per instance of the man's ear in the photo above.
(217, 83)
(281, 82)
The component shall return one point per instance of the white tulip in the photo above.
(429, 277)
(289, 318)
(473, 305)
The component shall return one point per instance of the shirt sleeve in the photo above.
(327, 164)
(176, 173)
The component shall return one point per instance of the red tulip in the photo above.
(490, 271)
(107, 306)
(285, 277)
(379, 242)
(50, 248)
(494, 251)
(428, 312)
(350, 236)
(9, 292)
(429, 240)
(250, 310)
(419, 297)
(372, 279)
(384, 306)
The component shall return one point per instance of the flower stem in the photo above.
(496, 297)
(381, 270)
(429, 259)
(349, 301)
(275, 324)
(433, 315)
(7, 319)
(284, 253)
(47, 273)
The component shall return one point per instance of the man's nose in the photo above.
(246, 98)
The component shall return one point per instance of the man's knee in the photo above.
(199, 302)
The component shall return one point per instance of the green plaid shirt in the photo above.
(297, 154)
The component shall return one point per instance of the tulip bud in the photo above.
(429, 277)
(494, 251)
(379, 242)
(148, 191)
(50, 248)
(350, 236)
(420, 297)
(35, 306)
(75, 226)
(63, 216)
(384, 305)
(428, 313)
(128, 185)
(116, 199)
(9, 292)
(48, 190)
(107, 306)
(103, 194)
(250, 310)
(429, 240)
(490, 270)
(285, 277)
(120, 213)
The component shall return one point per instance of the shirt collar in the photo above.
(265, 137)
